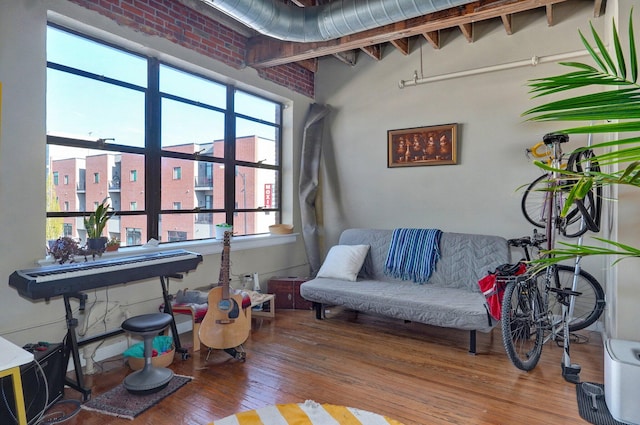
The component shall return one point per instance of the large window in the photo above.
(197, 152)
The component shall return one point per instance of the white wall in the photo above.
(22, 169)
(624, 293)
(480, 194)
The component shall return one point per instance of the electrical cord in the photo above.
(60, 416)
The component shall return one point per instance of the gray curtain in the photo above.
(308, 185)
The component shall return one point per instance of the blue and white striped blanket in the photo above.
(413, 254)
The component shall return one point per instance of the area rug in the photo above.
(121, 403)
(307, 413)
(598, 416)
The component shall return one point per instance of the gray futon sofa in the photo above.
(450, 298)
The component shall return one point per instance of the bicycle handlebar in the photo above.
(526, 241)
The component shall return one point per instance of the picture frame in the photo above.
(420, 146)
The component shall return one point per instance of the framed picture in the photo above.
(433, 145)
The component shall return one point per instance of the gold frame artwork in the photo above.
(419, 146)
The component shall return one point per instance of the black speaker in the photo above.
(33, 385)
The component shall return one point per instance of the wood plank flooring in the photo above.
(414, 373)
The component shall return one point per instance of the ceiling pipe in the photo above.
(535, 60)
(325, 22)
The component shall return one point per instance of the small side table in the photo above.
(287, 292)
(261, 299)
(11, 358)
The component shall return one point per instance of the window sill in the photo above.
(202, 247)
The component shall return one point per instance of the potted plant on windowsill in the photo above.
(113, 245)
(95, 224)
(64, 249)
(221, 229)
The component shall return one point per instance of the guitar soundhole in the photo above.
(231, 306)
(224, 305)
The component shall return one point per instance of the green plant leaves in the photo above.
(96, 222)
(613, 109)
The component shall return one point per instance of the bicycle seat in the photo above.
(551, 138)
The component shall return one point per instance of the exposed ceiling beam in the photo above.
(264, 51)
(349, 57)
(433, 37)
(549, 8)
(374, 51)
(401, 44)
(506, 21)
(598, 7)
(309, 64)
(467, 31)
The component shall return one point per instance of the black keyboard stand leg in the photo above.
(71, 348)
(184, 353)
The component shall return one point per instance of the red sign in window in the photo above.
(268, 195)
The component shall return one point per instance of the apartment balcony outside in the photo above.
(204, 182)
(204, 218)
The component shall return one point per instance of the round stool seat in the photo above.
(149, 379)
(153, 322)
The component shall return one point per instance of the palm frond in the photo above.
(614, 109)
(592, 52)
(622, 66)
(632, 51)
(627, 97)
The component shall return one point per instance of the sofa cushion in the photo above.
(464, 258)
(434, 305)
(344, 262)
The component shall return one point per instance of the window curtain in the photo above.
(308, 185)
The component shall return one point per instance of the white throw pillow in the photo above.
(343, 262)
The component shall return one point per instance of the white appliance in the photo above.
(622, 380)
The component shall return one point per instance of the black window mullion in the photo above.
(153, 160)
(230, 156)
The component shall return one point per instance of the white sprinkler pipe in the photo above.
(535, 60)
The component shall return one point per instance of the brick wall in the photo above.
(175, 22)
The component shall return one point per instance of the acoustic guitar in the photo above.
(226, 324)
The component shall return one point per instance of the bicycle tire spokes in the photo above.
(589, 302)
(549, 304)
(522, 314)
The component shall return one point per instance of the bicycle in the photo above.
(527, 312)
(546, 304)
(584, 214)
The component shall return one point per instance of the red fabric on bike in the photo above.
(493, 288)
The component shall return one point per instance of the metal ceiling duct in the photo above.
(326, 22)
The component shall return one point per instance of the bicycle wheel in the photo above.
(522, 331)
(534, 207)
(588, 306)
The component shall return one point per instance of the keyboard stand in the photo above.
(72, 345)
(184, 353)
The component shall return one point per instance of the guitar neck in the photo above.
(224, 266)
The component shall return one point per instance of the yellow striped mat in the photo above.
(307, 413)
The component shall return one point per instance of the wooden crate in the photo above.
(287, 292)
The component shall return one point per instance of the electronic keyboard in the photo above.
(50, 281)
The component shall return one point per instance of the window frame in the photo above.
(154, 154)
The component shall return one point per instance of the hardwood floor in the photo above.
(414, 373)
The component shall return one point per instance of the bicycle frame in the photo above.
(551, 325)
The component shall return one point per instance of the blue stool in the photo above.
(149, 379)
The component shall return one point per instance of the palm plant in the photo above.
(618, 110)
